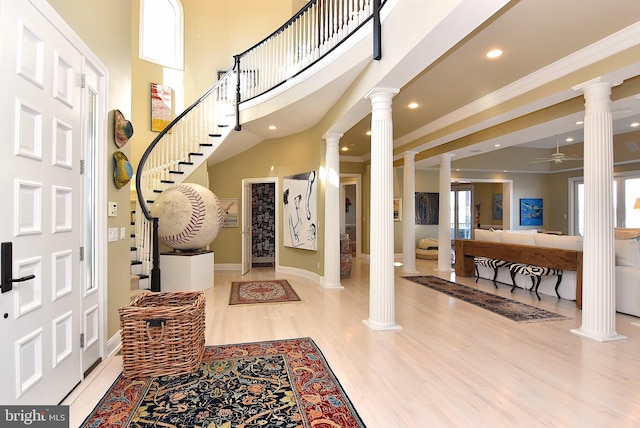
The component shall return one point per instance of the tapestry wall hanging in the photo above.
(300, 211)
(531, 212)
(427, 208)
(160, 106)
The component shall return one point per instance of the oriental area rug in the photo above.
(283, 383)
(266, 291)
(515, 311)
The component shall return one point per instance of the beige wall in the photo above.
(104, 25)
(288, 156)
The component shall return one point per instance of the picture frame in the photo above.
(427, 208)
(300, 211)
(497, 206)
(531, 212)
(397, 209)
(161, 106)
(230, 211)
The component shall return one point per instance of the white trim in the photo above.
(300, 272)
(114, 344)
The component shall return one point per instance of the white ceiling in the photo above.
(468, 103)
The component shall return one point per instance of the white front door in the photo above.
(43, 217)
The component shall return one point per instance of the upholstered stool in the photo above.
(536, 273)
(490, 263)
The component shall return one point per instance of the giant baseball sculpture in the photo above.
(190, 216)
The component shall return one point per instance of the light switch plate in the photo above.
(113, 234)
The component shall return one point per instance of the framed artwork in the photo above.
(427, 208)
(397, 209)
(531, 212)
(229, 211)
(497, 206)
(161, 106)
(300, 216)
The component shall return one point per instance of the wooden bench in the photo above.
(556, 258)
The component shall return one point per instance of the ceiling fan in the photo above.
(558, 157)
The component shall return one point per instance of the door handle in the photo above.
(6, 262)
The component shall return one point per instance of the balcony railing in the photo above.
(318, 28)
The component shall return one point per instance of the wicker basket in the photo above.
(163, 334)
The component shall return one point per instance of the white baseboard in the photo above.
(300, 272)
(114, 344)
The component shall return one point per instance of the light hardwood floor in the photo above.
(451, 365)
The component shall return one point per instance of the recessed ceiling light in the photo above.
(344, 149)
(635, 124)
(494, 53)
(568, 140)
(272, 127)
(413, 105)
(496, 145)
(368, 132)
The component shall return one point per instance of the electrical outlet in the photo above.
(113, 209)
(113, 234)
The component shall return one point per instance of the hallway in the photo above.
(452, 364)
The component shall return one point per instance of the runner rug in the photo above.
(267, 291)
(516, 311)
(284, 383)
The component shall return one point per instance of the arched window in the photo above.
(162, 32)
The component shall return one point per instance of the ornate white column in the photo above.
(381, 273)
(409, 214)
(444, 214)
(332, 213)
(598, 260)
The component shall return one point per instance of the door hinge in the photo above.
(81, 340)
(81, 254)
(83, 80)
(81, 166)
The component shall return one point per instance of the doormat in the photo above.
(515, 311)
(265, 291)
(282, 383)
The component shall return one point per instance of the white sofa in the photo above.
(627, 271)
(567, 287)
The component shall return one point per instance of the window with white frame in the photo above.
(162, 32)
(626, 190)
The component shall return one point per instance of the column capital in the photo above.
(332, 136)
(375, 92)
(600, 81)
(446, 156)
(410, 154)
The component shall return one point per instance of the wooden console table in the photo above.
(557, 258)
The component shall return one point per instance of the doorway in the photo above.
(351, 211)
(263, 224)
(262, 242)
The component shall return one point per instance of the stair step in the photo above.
(136, 262)
(142, 276)
(176, 172)
(185, 163)
(226, 125)
(215, 135)
(196, 154)
(206, 145)
(157, 191)
(167, 181)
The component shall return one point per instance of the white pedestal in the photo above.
(186, 272)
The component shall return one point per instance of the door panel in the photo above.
(246, 226)
(41, 189)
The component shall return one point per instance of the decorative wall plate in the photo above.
(122, 170)
(123, 129)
